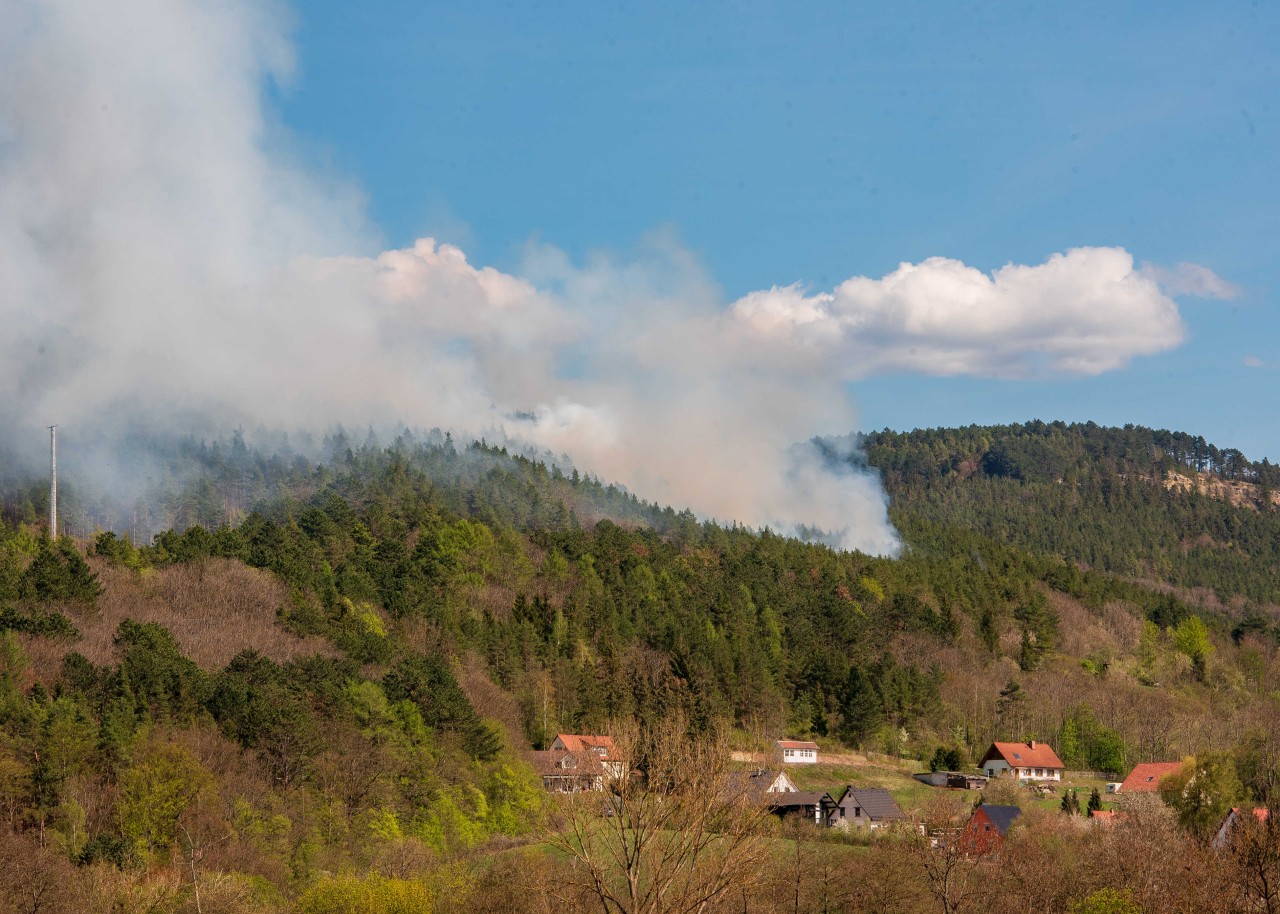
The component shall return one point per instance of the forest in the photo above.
(277, 682)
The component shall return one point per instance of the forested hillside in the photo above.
(334, 667)
(1119, 500)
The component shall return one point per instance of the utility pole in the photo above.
(53, 481)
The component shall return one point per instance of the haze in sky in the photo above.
(674, 245)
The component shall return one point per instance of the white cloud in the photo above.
(1191, 280)
(1083, 312)
(1252, 361)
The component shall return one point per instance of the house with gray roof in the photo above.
(866, 807)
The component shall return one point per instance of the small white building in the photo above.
(798, 752)
(1029, 761)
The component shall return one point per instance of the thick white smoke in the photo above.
(161, 254)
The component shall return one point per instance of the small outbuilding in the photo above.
(798, 752)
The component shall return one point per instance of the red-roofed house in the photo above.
(1029, 761)
(798, 752)
(1145, 778)
(599, 747)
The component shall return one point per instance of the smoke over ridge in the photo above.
(163, 254)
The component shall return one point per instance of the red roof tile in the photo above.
(1145, 778)
(1025, 755)
(576, 742)
(796, 744)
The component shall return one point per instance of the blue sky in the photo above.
(786, 143)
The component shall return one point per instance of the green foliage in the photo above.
(154, 672)
(429, 683)
(1202, 791)
(154, 794)
(1191, 638)
(1070, 802)
(370, 894)
(1085, 743)
(46, 623)
(59, 573)
(117, 550)
(1106, 901)
(945, 759)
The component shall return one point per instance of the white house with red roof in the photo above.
(1029, 761)
(599, 748)
(798, 752)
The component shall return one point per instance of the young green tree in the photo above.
(1202, 791)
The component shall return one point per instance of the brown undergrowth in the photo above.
(214, 609)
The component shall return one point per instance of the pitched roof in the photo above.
(1001, 816)
(875, 802)
(1145, 778)
(577, 742)
(1025, 755)
(796, 744)
(796, 798)
(758, 783)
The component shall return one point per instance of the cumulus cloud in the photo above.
(1082, 312)
(1253, 361)
(164, 258)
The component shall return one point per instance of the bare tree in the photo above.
(949, 871)
(675, 835)
(1254, 850)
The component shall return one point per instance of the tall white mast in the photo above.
(53, 481)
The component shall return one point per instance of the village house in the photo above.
(568, 772)
(1029, 761)
(813, 806)
(599, 746)
(756, 784)
(798, 752)
(866, 807)
(575, 763)
(1145, 778)
(987, 829)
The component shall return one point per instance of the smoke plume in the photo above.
(165, 260)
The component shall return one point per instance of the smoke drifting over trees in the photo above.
(168, 264)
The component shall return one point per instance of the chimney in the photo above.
(1031, 743)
